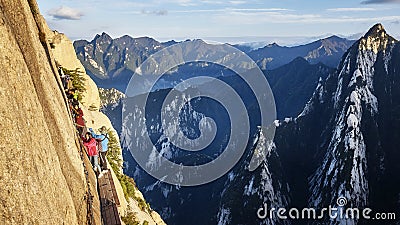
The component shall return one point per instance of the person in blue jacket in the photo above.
(102, 140)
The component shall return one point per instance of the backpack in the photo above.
(99, 141)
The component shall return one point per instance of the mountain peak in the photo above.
(376, 39)
(377, 29)
(272, 45)
(102, 36)
(334, 38)
(300, 60)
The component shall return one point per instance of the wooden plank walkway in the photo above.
(108, 200)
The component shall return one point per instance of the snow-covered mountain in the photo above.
(245, 192)
(359, 144)
(343, 145)
(110, 97)
(175, 203)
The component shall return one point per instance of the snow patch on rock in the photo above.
(224, 216)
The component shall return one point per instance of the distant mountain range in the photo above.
(293, 72)
(328, 51)
(112, 62)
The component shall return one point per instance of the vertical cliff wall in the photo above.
(42, 170)
(64, 54)
(41, 173)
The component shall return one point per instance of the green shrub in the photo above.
(78, 81)
(127, 183)
(114, 152)
(130, 219)
(113, 157)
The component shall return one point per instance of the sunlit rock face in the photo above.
(42, 175)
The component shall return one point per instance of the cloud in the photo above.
(155, 12)
(260, 10)
(230, 10)
(237, 2)
(210, 2)
(184, 2)
(355, 36)
(65, 13)
(379, 1)
(283, 17)
(350, 9)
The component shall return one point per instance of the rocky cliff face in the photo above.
(64, 53)
(65, 56)
(41, 172)
(293, 85)
(359, 154)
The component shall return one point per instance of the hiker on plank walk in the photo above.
(102, 140)
(91, 147)
(79, 121)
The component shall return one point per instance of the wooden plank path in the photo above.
(108, 200)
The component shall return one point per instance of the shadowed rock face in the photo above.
(41, 173)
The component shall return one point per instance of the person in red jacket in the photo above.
(91, 147)
(79, 121)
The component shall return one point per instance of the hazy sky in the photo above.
(221, 20)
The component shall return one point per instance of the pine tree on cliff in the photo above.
(78, 81)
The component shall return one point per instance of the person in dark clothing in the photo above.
(72, 102)
(65, 78)
(71, 93)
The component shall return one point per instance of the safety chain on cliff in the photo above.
(89, 196)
